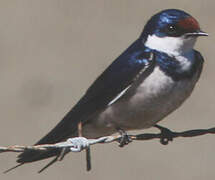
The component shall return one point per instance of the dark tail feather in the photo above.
(34, 155)
(45, 167)
(65, 129)
(49, 164)
(14, 167)
(31, 155)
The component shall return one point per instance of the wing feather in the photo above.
(111, 85)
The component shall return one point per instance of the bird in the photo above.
(147, 82)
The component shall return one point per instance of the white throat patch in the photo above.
(175, 46)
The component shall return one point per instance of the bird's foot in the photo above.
(125, 139)
(166, 135)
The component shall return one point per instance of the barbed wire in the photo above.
(78, 144)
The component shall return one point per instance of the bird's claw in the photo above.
(166, 135)
(125, 139)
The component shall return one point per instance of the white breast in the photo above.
(152, 100)
(146, 103)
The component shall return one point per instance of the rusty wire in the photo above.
(79, 144)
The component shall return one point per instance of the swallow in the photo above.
(147, 82)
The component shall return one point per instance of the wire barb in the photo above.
(78, 144)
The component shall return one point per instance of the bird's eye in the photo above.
(171, 28)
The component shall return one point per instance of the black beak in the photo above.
(197, 33)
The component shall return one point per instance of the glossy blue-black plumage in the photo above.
(162, 19)
(119, 75)
(172, 67)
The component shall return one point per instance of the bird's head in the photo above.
(171, 31)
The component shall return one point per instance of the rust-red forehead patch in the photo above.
(189, 24)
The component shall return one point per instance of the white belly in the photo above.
(146, 104)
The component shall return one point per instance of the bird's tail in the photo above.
(67, 128)
(31, 156)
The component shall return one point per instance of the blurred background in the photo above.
(52, 50)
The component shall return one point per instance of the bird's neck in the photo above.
(178, 67)
(173, 46)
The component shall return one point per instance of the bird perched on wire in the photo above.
(148, 81)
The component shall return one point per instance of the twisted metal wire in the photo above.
(79, 144)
